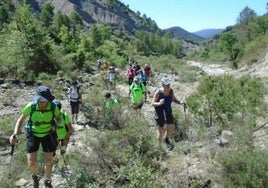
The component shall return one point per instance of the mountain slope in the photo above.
(180, 33)
(207, 33)
(113, 13)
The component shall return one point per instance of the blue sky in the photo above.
(195, 15)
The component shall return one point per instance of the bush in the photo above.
(244, 168)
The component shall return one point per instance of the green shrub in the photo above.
(244, 168)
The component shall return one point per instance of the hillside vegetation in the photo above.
(220, 142)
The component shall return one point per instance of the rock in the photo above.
(22, 182)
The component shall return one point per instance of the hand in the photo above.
(13, 139)
(65, 141)
(162, 101)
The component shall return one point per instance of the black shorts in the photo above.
(137, 106)
(74, 107)
(160, 119)
(48, 142)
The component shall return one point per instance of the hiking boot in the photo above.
(48, 183)
(170, 147)
(168, 144)
(36, 179)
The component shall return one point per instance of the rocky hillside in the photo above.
(111, 12)
(193, 164)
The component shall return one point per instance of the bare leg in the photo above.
(48, 164)
(170, 130)
(32, 162)
(160, 134)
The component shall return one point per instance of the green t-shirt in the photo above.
(62, 130)
(108, 105)
(137, 93)
(41, 121)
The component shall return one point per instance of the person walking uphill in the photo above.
(75, 100)
(138, 94)
(162, 100)
(44, 116)
(64, 130)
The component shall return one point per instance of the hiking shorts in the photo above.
(74, 107)
(137, 106)
(48, 142)
(161, 119)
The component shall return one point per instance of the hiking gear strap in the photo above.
(33, 109)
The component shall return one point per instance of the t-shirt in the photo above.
(137, 91)
(147, 70)
(61, 129)
(74, 94)
(41, 121)
(108, 105)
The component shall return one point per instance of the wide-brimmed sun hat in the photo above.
(43, 94)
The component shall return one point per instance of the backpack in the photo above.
(63, 115)
(78, 91)
(28, 125)
(130, 73)
(140, 84)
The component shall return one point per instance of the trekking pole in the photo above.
(185, 110)
(12, 156)
(62, 152)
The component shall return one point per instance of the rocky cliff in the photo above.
(111, 12)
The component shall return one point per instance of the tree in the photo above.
(36, 45)
(46, 14)
(246, 15)
(229, 44)
(220, 99)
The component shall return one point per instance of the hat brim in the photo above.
(39, 98)
(166, 83)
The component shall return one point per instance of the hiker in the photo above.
(109, 104)
(162, 100)
(142, 77)
(64, 132)
(138, 94)
(65, 129)
(44, 116)
(112, 76)
(75, 100)
(136, 67)
(148, 71)
(130, 74)
(105, 65)
(98, 63)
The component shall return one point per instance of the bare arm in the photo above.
(155, 99)
(70, 131)
(17, 128)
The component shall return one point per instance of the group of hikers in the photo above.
(51, 127)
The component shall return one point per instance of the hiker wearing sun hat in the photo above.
(162, 100)
(44, 116)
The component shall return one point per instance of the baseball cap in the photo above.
(165, 81)
(136, 78)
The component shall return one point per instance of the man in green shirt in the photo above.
(65, 129)
(44, 116)
(138, 94)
